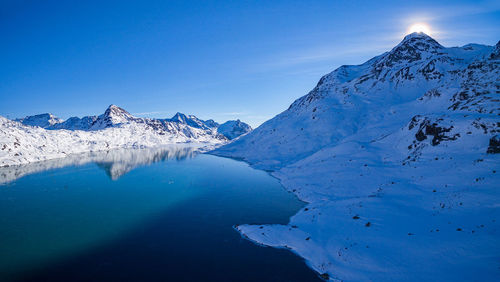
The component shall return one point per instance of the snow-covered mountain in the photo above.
(113, 116)
(419, 76)
(41, 120)
(233, 128)
(116, 128)
(397, 159)
(193, 121)
(75, 123)
(116, 116)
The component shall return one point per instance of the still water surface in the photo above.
(142, 215)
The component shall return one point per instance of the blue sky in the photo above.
(215, 59)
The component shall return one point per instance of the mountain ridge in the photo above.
(115, 116)
(377, 84)
(114, 129)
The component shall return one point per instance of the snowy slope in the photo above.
(392, 156)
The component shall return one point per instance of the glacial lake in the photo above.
(142, 215)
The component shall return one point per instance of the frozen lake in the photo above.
(148, 215)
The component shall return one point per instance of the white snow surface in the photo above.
(20, 144)
(391, 157)
(50, 137)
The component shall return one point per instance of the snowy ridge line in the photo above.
(21, 144)
(398, 161)
(51, 138)
(115, 116)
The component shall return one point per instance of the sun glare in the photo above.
(419, 27)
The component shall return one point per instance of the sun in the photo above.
(419, 27)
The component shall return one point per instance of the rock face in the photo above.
(494, 147)
(398, 160)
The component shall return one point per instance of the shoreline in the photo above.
(334, 233)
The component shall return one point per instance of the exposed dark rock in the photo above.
(428, 128)
(494, 146)
(325, 276)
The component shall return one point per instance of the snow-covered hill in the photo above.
(116, 128)
(396, 158)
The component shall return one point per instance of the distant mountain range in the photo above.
(43, 137)
(115, 116)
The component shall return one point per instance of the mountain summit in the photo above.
(113, 116)
(193, 121)
(419, 41)
(419, 74)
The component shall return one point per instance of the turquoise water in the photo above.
(142, 215)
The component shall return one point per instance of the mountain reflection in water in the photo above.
(115, 163)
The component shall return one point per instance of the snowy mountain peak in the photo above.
(420, 41)
(234, 128)
(113, 116)
(41, 120)
(179, 117)
(114, 111)
(211, 123)
(410, 136)
(418, 75)
(193, 121)
(76, 123)
(414, 47)
(180, 124)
